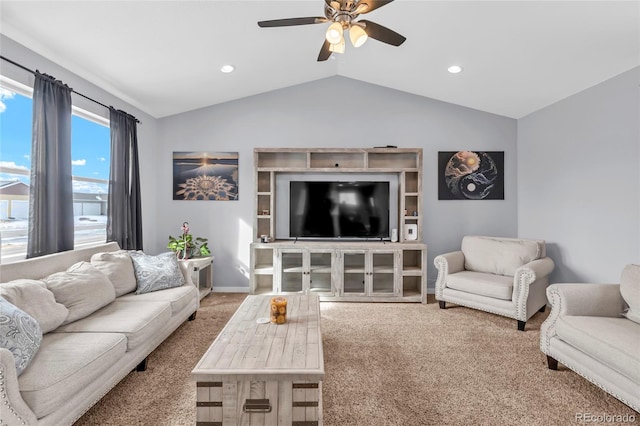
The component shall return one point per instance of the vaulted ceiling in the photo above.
(164, 57)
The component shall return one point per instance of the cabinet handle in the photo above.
(257, 406)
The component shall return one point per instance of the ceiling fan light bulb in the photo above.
(334, 33)
(338, 47)
(357, 35)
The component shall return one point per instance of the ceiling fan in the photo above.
(343, 14)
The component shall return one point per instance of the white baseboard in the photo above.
(246, 290)
(231, 289)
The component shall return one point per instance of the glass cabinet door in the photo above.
(353, 278)
(320, 272)
(382, 273)
(291, 271)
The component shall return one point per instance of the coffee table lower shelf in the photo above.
(259, 403)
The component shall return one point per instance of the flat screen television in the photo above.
(358, 209)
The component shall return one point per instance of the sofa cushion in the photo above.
(33, 297)
(65, 365)
(117, 266)
(138, 321)
(19, 333)
(613, 341)
(82, 289)
(630, 290)
(155, 273)
(178, 297)
(500, 256)
(496, 286)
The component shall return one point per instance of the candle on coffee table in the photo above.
(278, 310)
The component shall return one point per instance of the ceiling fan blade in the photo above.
(292, 21)
(371, 5)
(324, 52)
(382, 34)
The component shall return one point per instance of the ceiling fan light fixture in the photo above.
(337, 47)
(357, 35)
(341, 16)
(334, 33)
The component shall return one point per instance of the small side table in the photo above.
(201, 269)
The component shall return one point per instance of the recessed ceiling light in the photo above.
(454, 69)
(227, 68)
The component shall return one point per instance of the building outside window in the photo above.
(90, 151)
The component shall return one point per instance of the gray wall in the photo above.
(577, 183)
(333, 112)
(579, 180)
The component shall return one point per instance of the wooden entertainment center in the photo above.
(373, 270)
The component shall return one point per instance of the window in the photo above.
(90, 152)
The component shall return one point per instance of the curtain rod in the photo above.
(77, 93)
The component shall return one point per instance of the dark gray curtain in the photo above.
(50, 228)
(124, 216)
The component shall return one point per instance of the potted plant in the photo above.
(186, 246)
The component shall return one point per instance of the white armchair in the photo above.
(504, 276)
(590, 333)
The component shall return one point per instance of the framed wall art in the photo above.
(471, 175)
(205, 176)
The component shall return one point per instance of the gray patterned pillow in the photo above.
(19, 333)
(156, 272)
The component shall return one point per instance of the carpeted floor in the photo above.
(385, 364)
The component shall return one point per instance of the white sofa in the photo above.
(588, 332)
(504, 276)
(78, 363)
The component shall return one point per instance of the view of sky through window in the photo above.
(15, 133)
(89, 143)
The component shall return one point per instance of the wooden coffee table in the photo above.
(263, 374)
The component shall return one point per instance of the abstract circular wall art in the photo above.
(471, 175)
(205, 176)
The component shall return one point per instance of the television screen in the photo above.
(339, 209)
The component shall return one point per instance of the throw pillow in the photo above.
(117, 266)
(82, 289)
(33, 297)
(156, 272)
(630, 291)
(19, 333)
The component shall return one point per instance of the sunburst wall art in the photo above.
(205, 176)
(471, 175)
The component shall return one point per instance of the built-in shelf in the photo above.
(393, 159)
(337, 270)
(263, 269)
